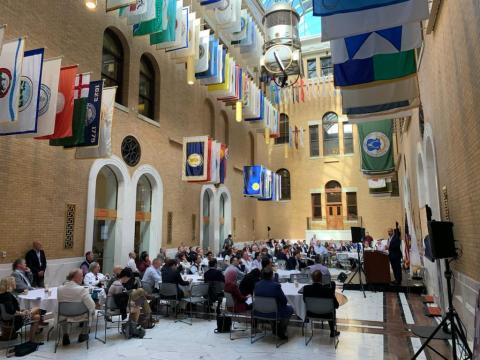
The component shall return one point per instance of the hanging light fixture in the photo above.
(91, 4)
(238, 111)
(190, 71)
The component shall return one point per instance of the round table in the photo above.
(38, 298)
(285, 274)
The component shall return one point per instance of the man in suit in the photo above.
(317, 290)
(268, 288)
(395, 255)
(73, 292)
(171, 275)
(296, 262)
(37, 262)
(211, 276)
(23, 276)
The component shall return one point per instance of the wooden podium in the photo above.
(377, 267)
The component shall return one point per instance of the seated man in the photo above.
(23, 276)
(73, 291)
(296, 262)
(268, 288)
(318, 266)
(152, 276)
(171, 275)
(212, 275)
(317, 290)
(235, 265)
(247, 285)
(115, 272)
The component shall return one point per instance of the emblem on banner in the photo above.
(201, 51)
(60, 102)
(5, 81)
(195, 160)
(44, 102)
(26, 93)
(91, 114)
(376, 144)
(256, 186)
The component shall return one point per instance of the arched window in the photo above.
(143, 215)
(146, 90)
(284, 130)
(252, 148)
(112, 63)
(330, 134)
(347, 138)
(285, 174)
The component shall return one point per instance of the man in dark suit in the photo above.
(268, 288)
(296, 262)
(211, 276)
(171, 275)
(395, 255)
(37, 263)
(317, 290)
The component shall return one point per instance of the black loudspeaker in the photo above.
(442, 242)
(357, 235)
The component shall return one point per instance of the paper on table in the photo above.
(248, 301)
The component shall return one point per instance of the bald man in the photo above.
(37, 262)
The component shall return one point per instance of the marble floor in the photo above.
(374, 327)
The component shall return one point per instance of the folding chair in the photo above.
(109, 311)
(319, 309)
(261, 309)
(216, 293)
(70, 310)
(168, 292)
(300, 278)
(198, 295)
(7, 321)
(230, 304)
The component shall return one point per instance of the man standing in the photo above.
(85, 266)
(395, 255)
(228, 243)
(37, 263)
(74, 292)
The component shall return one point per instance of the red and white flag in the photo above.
(82, 85)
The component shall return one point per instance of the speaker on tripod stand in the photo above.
(443, 247)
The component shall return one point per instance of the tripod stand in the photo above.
(359, 270)
(451, 318)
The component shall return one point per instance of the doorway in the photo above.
(333, 191)
(143, 215)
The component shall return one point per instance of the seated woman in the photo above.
(11, 307)
(183, 262)
(239, 300)
(94, 278)
(317, 290)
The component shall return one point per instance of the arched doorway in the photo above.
(225, 216)
(333, 192)
(143, 215)
(105, 223)
(207, 228)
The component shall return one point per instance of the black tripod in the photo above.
(358, 270)
(451, 318)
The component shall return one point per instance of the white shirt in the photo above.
(91, 279)
(204, 262)
(380, 246)
(248, 265)
(131, 264)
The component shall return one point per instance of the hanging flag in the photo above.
(78, 125)
(64, 108)
(30, 82)
(142, 11)
(376, 68)
(203, 52)
(252, 180)
(47, 105)
(397, 110)
(379, 94)
(92, 118)
(223, 163)
(355, 21)
(167, 37)
(117, 4)
(151, 26)
(11, 57)
(104, 147)
(82, 86)
(196, 158)
(376, 145)
(296, 131)
(329, 7)
(386, 41)
(2, 34)
(378, 183)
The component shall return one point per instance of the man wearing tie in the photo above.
(37, 263)
(395, 255)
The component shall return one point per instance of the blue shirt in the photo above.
(152, 276)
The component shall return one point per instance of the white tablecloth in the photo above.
(38, 298)
(285, 274)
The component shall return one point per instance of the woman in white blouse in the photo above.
(94, 277)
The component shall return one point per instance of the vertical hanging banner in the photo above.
(64, 106)
(151, 26)
(11, 57)
(104, 147)
(2, 34)
(376, 145)
(252, 180)
(117, 4)
(92, 118)
(195, 158)
(30, 83)
(47, 106)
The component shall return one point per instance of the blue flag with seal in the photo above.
(332, 7)
(376, 145)
(92, 119)
(252, 180)
(195, 158)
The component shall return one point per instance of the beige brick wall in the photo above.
(38, 180)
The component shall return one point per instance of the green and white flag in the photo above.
(376, 146)
(151, 26)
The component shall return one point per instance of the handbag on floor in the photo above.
(131, 329)
(25, 348)
(224, 323)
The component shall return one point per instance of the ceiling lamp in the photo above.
(282, 56)
(91, 4)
